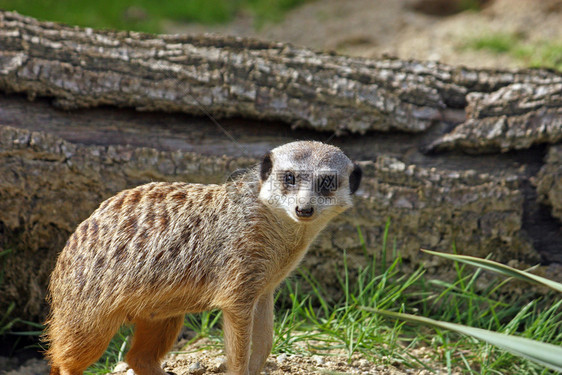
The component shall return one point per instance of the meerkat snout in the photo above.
(151, 254)
(304, 212)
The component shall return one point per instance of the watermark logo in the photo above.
(324, 182)
(292, 200)
(283, 189)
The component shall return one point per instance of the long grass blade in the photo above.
(490, 265)
(539, 352)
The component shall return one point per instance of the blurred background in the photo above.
(475, 33)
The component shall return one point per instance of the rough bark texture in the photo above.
(515, 117)
(57, 166)
(50, 185)
(241, 77)
(549, 181)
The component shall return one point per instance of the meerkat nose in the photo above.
(305, 212)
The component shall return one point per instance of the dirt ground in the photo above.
(405, 28)
(205, 357)
(202, 358)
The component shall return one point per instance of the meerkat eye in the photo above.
(289, 178)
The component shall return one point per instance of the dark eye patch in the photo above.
(326, 184)
(289, 179)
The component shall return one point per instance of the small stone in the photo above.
(397, 166)
(318, 359)
(196, 369)
(218, 365)
(121, 367)
(130, 372)
(282, 358)
(363, 363)
(135, 14)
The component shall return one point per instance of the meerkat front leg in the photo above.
(262, 333)
(237, 321)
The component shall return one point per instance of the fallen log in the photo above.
(235, 77)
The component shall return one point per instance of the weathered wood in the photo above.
(49, 185)
(227, 76)
(517, 117)
(549, 182)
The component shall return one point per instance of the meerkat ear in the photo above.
(266, 165)
(355, 178)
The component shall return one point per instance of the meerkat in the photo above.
(151, 254)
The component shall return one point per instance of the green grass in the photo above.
(546, 54)
(148, 15)
(308, 324)
(383, 286)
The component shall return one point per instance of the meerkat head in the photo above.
(307, 181)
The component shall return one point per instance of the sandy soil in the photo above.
(204, 358)
(372, 28)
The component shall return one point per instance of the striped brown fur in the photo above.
(153, 253)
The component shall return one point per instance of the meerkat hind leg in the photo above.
(151, 341)
(262, 333)
(58, 371)
(72, 351)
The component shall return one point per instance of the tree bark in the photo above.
(235, 77)
(549, 181)
(49, 186)
(517, 117)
